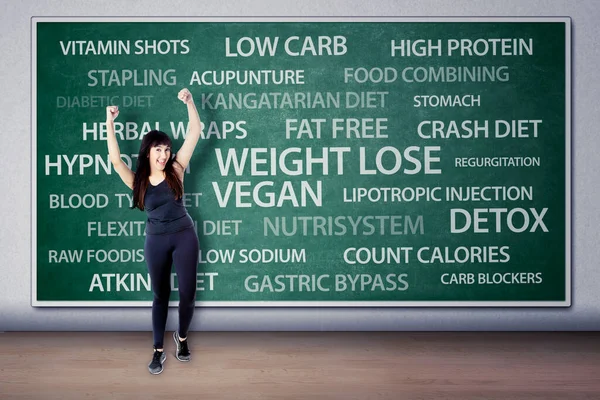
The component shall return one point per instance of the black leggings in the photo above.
(161, 251)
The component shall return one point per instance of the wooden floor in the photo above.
(305, 365)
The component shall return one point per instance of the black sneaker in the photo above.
(156, 365)
(182, 353)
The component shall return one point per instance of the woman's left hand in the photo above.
(185, 96)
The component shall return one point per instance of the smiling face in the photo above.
(159, 156)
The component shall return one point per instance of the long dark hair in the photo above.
(140, 181)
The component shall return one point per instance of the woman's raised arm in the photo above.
(193, 135)
(113, 148)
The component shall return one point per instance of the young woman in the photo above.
(157, 186)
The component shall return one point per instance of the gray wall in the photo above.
(15, 157)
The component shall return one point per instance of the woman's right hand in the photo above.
(111, 113)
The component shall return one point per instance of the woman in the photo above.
(157, 186)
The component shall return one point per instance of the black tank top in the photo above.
(165, 213)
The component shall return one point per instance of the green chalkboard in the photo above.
(343, 162)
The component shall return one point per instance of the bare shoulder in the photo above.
(179, 170)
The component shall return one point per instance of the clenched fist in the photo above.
(185, 96)
(112, 112)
